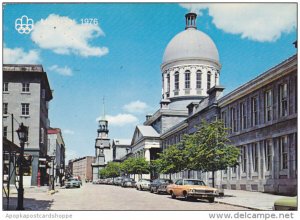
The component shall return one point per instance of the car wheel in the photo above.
(137, 188)
(151, 190)
(211, 200)
(173, 195)
(186, 196)
(141, 188)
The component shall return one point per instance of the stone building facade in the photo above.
(83, 167)
(26, 97)
(57, 150)
(261, 115)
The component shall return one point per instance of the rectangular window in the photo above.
(268, 154)
(176, 82)
(255, 153)
(283, 97)
(198, 79)
(243, 116)
(5, 108)
(5, 87)
(254, 110)
(244, 158)
(283, 152)
(187, 79)
(224, 118)
(268, 105)
(233, 120)
(208, 80)
(5, 131)
(25, 87)
(25, 109)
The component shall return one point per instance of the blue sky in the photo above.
(120, 57)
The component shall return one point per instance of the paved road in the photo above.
(106, 197)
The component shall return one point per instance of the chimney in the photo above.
(214, 94)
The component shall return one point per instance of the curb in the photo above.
(241, 206)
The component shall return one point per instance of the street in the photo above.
(108, 197)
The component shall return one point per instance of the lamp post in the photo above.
(23, 137)
(52, 179)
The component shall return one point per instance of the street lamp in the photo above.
(23, 137)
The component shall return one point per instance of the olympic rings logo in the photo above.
(24, 25)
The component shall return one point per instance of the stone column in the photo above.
(147, 154)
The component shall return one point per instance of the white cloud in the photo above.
(120, 120)
(65, 71)
(19, 56)
(65, 36)
(259, 22)
(135, 107)
(68, 131)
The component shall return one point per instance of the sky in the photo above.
(117, 55)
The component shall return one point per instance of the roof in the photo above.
(191, 43)
(122, 142)
(54, 131)
(147, 131)
(10, 71)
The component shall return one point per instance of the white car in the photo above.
(143, 184)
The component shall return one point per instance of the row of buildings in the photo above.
(26, 96)
(261, 115)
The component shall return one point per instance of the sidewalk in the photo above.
(252, 200)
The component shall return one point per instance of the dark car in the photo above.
(128, 182)
(160, 185)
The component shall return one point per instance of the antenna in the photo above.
(103, 102)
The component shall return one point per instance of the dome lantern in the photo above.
(190, 20)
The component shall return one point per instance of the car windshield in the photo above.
(194, 182)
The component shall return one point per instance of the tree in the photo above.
(127, 166)
(210, 149)
(135, 166)
(174, 159)
(103, 173)
(112, 169)
(141, 166)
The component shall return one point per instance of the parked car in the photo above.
(160, 185)
(118, 180)
(192, 189)
(72, 182)
(128, 182)
(143, 184)
(286, 204)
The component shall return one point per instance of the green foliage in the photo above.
(174, 159)
(208, 149)
(111, 170)
(135, 166)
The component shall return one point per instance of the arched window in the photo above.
(198, 79)
(208, 80)
(187, 79)
(168, 84)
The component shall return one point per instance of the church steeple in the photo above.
(103, 125)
